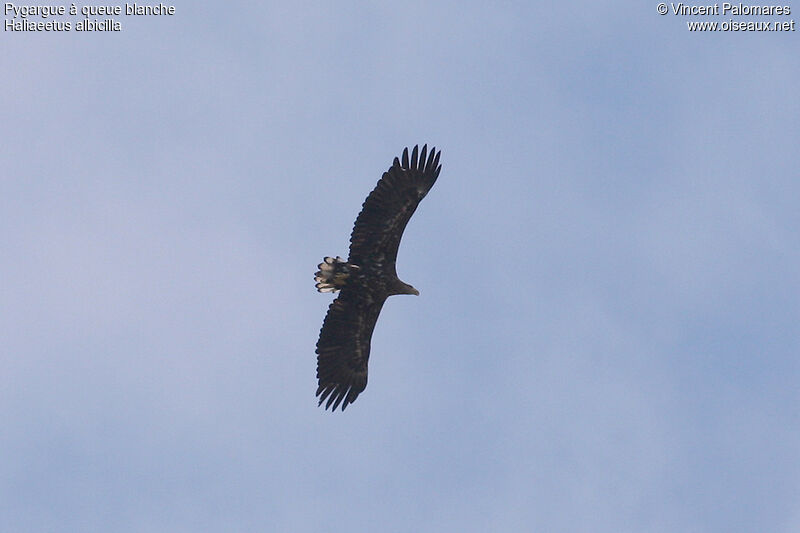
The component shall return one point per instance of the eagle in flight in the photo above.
(368, 276)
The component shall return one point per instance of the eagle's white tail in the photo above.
(333, 273)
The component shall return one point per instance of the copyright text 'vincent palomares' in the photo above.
(753, 16)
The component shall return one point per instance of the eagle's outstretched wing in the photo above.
(386, 211)
(343, 346)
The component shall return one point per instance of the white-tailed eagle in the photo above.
(368, 276)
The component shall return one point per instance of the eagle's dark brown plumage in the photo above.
(368, 276)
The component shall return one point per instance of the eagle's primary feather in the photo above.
(368, 276)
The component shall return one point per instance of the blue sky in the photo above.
(606, 338)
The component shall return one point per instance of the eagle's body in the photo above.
(368, 276)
